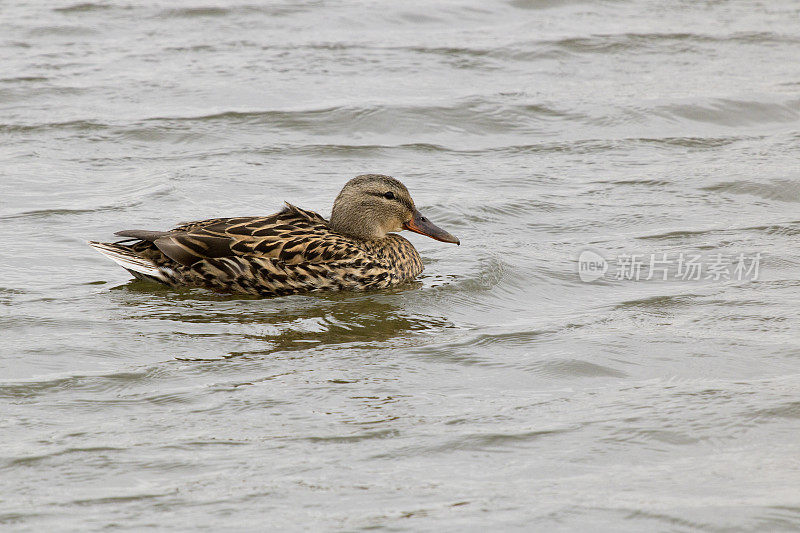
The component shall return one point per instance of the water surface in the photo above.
(499, 391)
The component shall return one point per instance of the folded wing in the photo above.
(291, 236)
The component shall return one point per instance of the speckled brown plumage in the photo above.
(291, 251)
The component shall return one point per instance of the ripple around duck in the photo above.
(469, 291)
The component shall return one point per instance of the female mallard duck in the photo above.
(291, 251)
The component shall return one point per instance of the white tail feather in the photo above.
(128, 260)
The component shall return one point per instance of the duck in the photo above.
(292, 251)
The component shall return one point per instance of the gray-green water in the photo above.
(500, 392)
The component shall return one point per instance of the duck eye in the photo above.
(389, 195)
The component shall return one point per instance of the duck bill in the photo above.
(423, 226)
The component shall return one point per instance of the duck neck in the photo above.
(355, 223)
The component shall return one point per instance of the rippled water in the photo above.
(500, 391)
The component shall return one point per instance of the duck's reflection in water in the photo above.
(267, 325)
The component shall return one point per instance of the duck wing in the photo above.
(292, 236)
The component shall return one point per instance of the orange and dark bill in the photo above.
(420, 224)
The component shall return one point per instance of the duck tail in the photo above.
(134, 263)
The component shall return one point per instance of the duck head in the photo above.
(372, 205)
